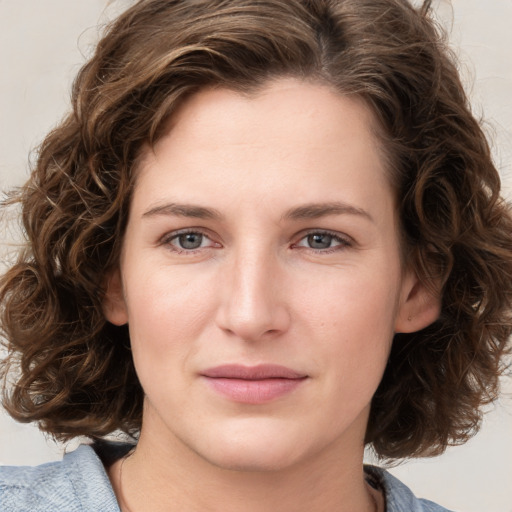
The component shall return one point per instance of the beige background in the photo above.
(42, 45)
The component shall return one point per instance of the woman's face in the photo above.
(262, 232)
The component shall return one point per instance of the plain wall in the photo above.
(42, 45)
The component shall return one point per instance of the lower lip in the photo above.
(253, 391)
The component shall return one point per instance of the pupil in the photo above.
(191, 240)
(319, 241)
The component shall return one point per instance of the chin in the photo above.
(252, 450)
(247, 460)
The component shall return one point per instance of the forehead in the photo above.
(290, 134)
(286, 108)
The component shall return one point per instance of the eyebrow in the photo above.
(304, 212)
(317, 210)
(183, 210)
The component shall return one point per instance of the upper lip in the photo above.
(259, 372)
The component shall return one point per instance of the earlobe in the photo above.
(114, 305)
(420, 308)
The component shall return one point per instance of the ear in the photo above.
(114, 305)
(419, 306)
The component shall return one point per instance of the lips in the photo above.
(262, 371)
(253, 384)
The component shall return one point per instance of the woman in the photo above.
(268, 234)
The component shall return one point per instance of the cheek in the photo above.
(167, 310)
(352, 320)
(357, 297)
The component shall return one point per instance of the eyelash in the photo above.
(343, 241)
(168, 239)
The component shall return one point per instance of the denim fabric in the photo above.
(399, 498)
(79, 483)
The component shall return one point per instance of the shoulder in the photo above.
(399, 498)
(78, 483)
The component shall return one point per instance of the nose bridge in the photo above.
(252, 305)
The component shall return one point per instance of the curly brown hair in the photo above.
(74, 370)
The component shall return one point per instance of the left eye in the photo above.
(189, 241)
(321, 241)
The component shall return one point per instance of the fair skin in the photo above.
(291, 258)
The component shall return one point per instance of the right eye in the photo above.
(188, 241)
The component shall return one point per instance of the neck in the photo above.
(171, 477)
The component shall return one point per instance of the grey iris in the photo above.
(319, 241)
(190, 240)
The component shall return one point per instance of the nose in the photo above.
(253, 304)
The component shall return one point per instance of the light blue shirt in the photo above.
(79, 483)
